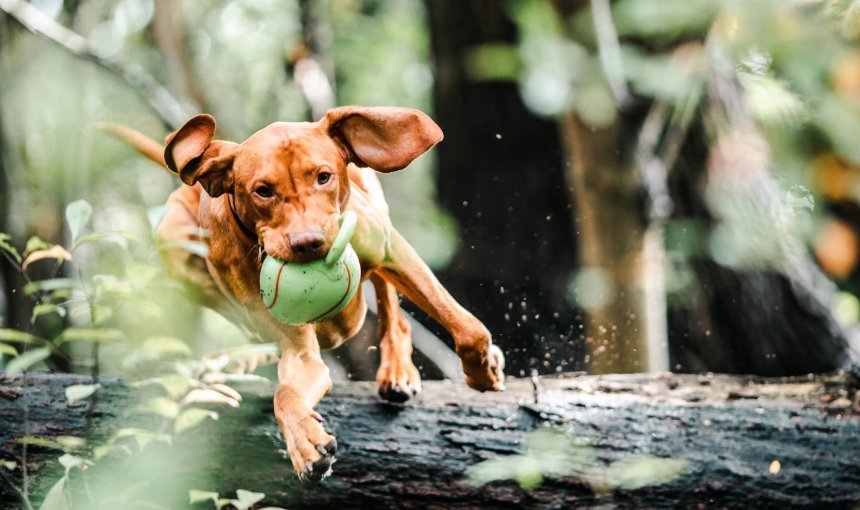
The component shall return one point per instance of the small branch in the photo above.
(168, 109)
(18, 490)
(609, 49)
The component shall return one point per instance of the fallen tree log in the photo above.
(728, 430)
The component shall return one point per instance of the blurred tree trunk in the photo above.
(500, 175)
(11, 313)
(168, 29)
(612, 226)
(763, 315)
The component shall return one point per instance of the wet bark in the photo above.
(729, 430)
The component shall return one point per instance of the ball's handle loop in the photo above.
(347, 222)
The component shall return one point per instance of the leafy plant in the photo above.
(89, 306)
(551, 454)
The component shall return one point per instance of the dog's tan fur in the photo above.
(298, 222)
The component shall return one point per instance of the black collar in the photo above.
(250, 234)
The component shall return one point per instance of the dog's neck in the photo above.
(249, 234)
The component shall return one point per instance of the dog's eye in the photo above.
(323, 177)
(263, 191)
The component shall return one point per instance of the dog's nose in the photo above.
(307, 243)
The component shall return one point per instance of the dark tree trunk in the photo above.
(500, 175)
(728, 429)
(12, 311)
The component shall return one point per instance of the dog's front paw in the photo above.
(485, 371)
(314, 472)
(311, 449)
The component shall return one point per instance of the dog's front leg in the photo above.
(303, 379)
(482, 361)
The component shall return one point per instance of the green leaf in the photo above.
(6, 349)
(212, 396)
(46, 308)
(155, 348)
(165, 345)
(8, 464)
(69, 461)
(118, 237)
(140, 275)
(175, 385)
(21, 337)
(26, 360)
(56, 497)
(641, 470)
(109, 285)
(41, 442)
(771, 101)
(89, 335)
(77, 392)
(142, 437)
(198, 496)
(100, 314)
(527, 470)
(64, 443)
(35, 243)
(161, 406)
(56, 253)
(246, 499)
(102, 450)
(191, 417)
(77, 215)
(71, 442)
(196, 247)
(494, 62)
(663, 20)
(155, 214)
(49, 285)
(6, 245)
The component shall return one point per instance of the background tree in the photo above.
(501, 176)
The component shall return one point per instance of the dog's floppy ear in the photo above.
(194, 156)
(383, 138)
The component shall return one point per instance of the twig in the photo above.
(609, 50)
(168, 109)
(536, 389)
(17, 489)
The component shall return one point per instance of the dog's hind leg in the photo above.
(397, 378)
(179, 228)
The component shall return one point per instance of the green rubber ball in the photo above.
(315, 291)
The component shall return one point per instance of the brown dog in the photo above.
(283, 190)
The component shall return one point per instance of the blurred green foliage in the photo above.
(238, 54)
(101, 300)
(550, 453)
(797, 63)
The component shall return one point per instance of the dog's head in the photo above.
(289, 180)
